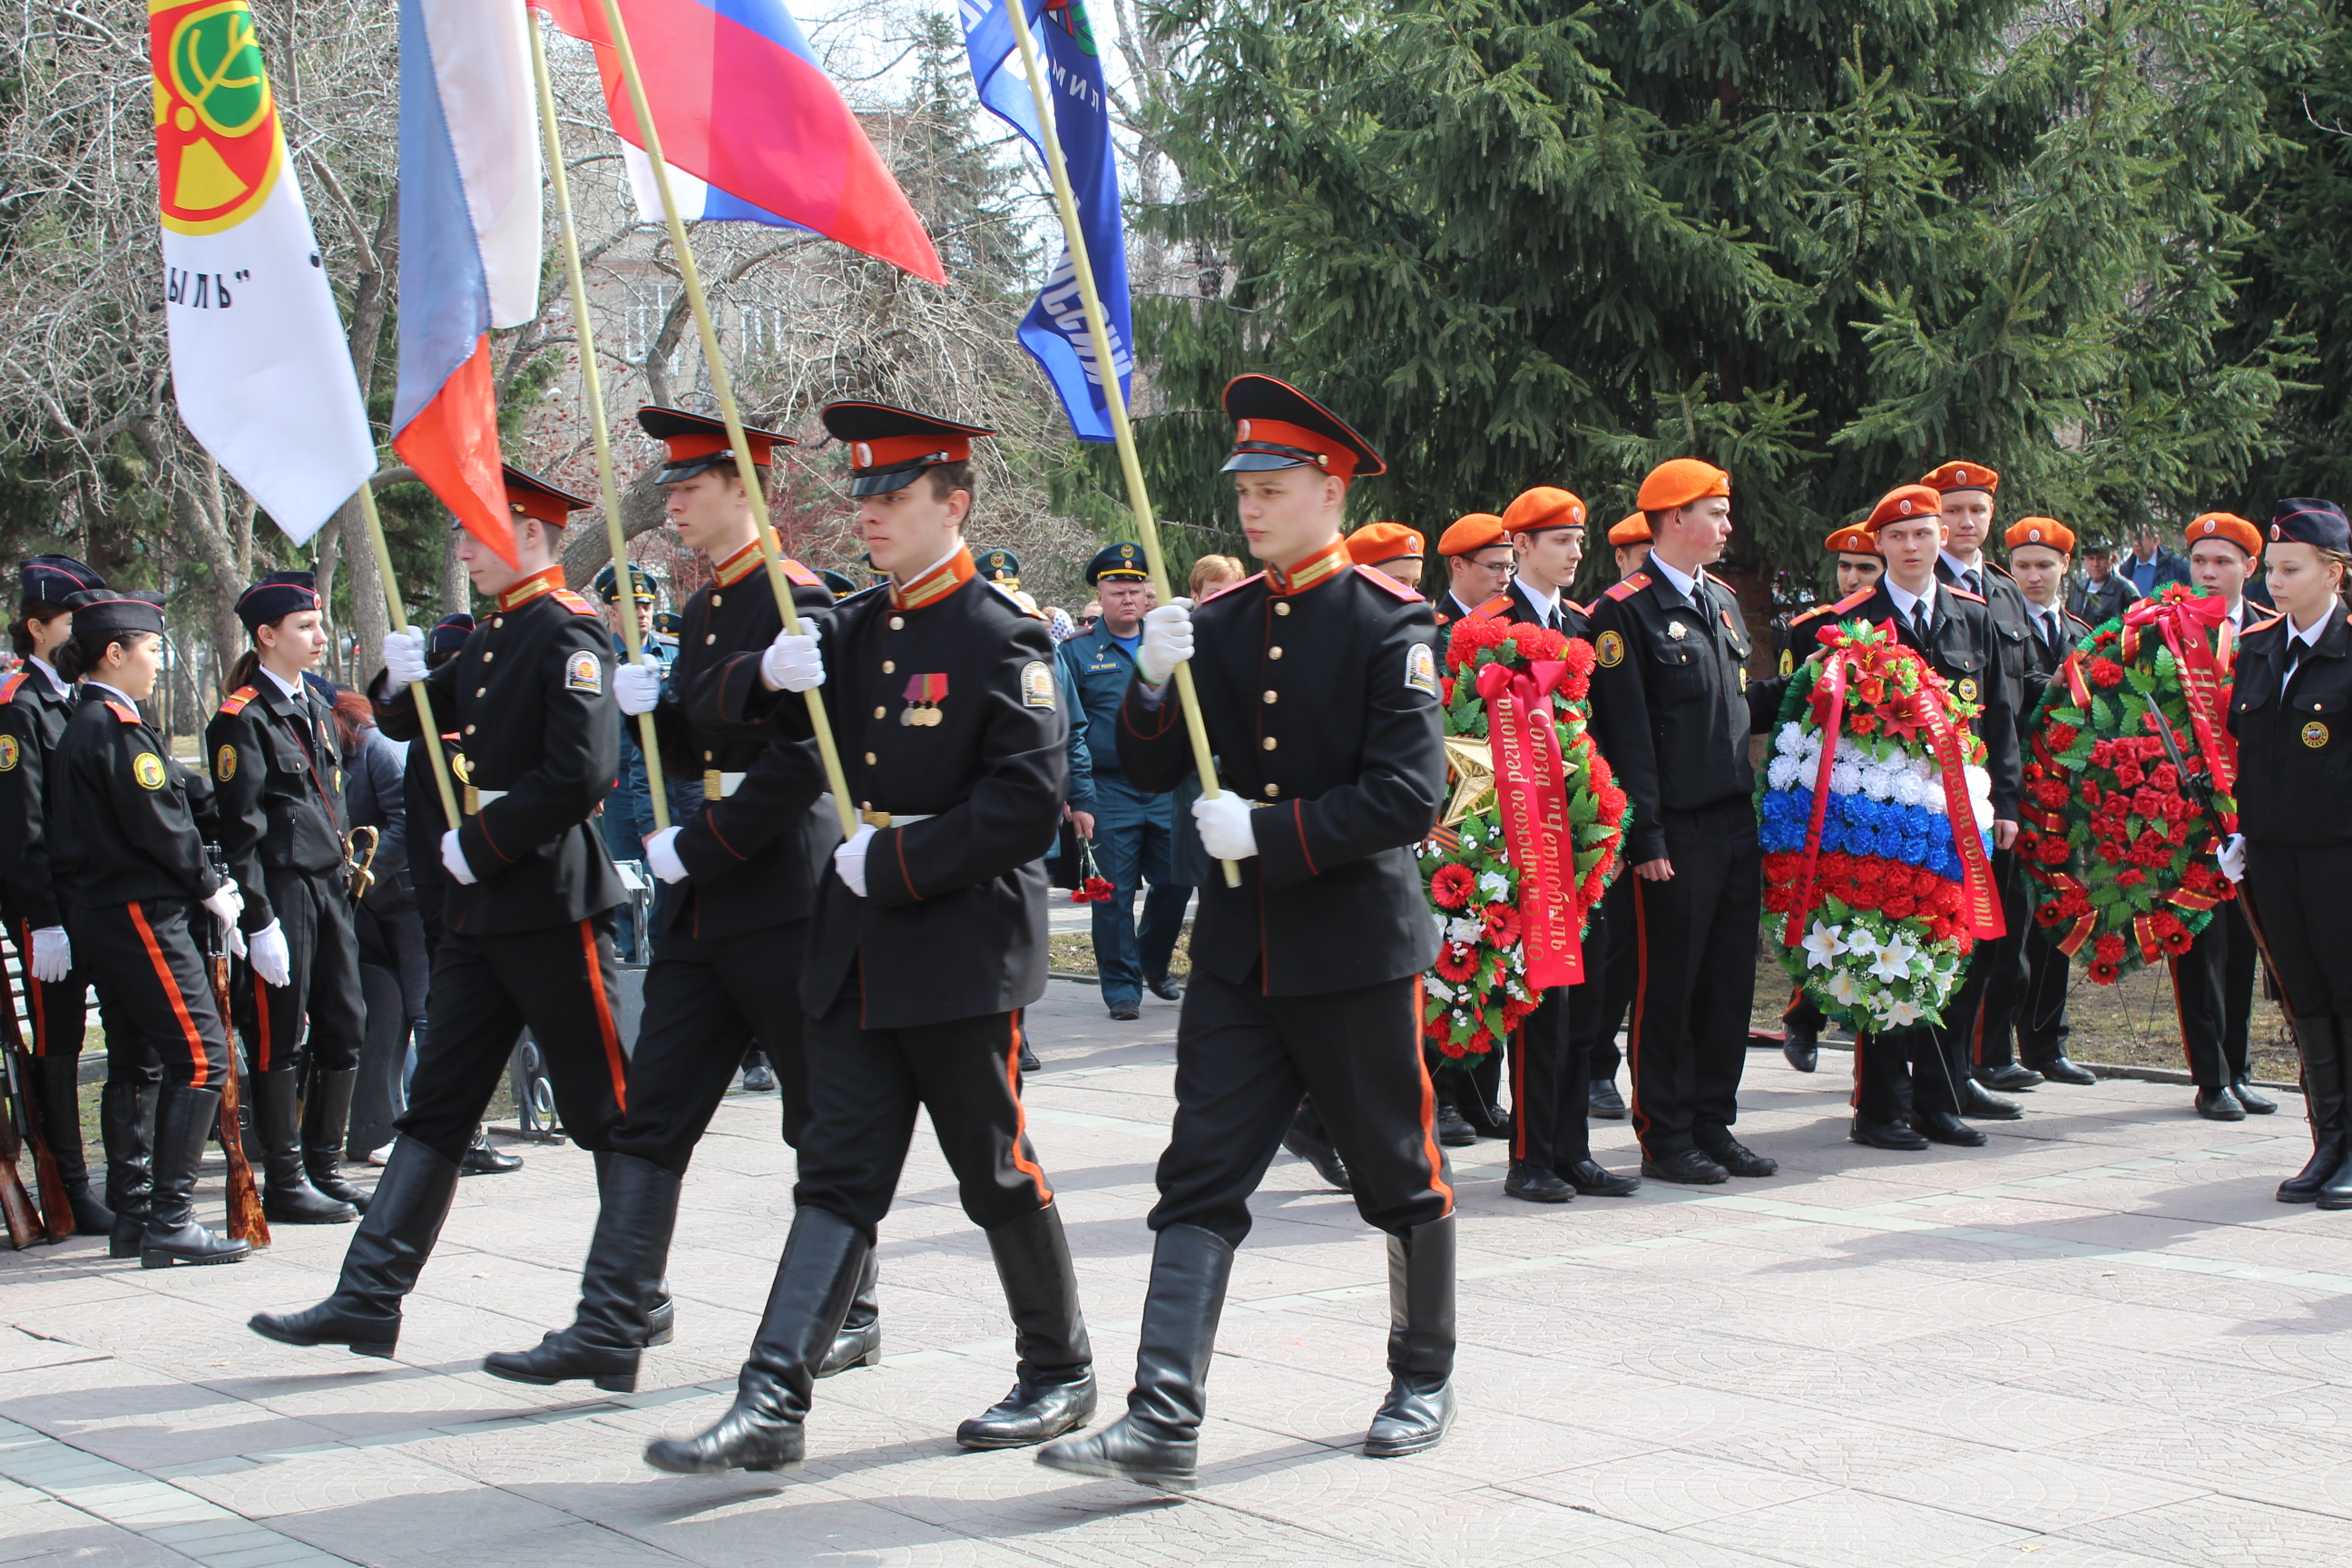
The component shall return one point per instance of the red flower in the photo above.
(1456, 964)
(1470, 634)
(1446, 689)
(1482, 1042)
(1449, 1048)
(2106, 672)
(1575, 687)
(1502, 925)
(1861, 723)
(1609, 801)
(2108, 949)
(2049, 915)
(1538, 642)
(1452, 887)
(2130, 879)
(1578, 655)
(2062, 737)
(2104, 973)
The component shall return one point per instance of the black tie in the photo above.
(1919, 622)
(1975, 584)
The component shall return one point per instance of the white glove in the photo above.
(792, 663)
(403, 656)
(661, 854)
(1167, 641)
(1225, 823)
(849, 860)
(2232, 854)
(236, 942)
(271, 959)
(452, 859)
(52, 954)
(638, 685)
(226, 904)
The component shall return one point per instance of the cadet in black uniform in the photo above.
(278, 781)
(125, 850)
(2291, 710)
(1920, 1070)
(726, 946)
(1319, 684)
(928, 940)
(526, 919)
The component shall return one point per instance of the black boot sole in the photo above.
(380, 1349)
(154, 1257)
(679, 1465)
(610, 1382)
(1404, 1449)
(1110, 1470)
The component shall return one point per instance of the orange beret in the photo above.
(1378, 542)
(1680, 482)
(2228, 526)
(1543, 509)
(2051, 534)
(1855, 539)
(1962, 476)
(1470, 533)
(1633, 530)
(1905, 500)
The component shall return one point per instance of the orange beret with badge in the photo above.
(1633, 530)
(1902, 502)
(1470, 533)
(2228, 526)
(2046, 532)
(1679, 482)
(1852, 540)
(1543, 510)
(1962, 476)
(1378, 542)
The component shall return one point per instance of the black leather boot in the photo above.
(184, 1120)
(287, 1196)
(2321, 1045)
(1054, 1392)
(326, 1119)
(859, 1344)
(126, 1122)
(1311, 1141)
(763, 1430)
(1158, 1441)
(1419, 1406)
(57, 1094)
(380, 1266)
(618, 1284)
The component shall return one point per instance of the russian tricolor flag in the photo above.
(469, 243)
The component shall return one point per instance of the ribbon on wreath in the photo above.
(1531, 799)
(2183, 623)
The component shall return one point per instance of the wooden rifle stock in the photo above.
(245, 1220)
(57, 1219)
(24, 1220)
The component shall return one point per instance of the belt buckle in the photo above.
(473, 801)
(714, 787)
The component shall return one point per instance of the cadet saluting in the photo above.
(1319, 684)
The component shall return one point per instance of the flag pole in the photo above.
(592, 384)
(1146, 526)
(400, 624)
(723, 387)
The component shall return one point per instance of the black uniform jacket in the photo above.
(2046, 652)
(2294, 734)
(1319, 690)
(1671, 705)
(279, 786)
(943, 702)
(122, 815)
(752, 856)
(33, 716)
(531, 696)
(2012, 617)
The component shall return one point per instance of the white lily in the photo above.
(1842, 988)
(1892, 962)
(1904, 1011)
(1823, 945)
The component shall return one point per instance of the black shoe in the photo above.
(758, 1078)
(126, 1121)
(2060, 1070)
(183, 1118)
(2320, 1043)
(1946, 1127)
(1054, 1391)
(326, 1122)
(1420, 1403)
(1986, 1105)
(2219, 1105)
(1157, 1442)
(859, 1342)
(482, 1159)
(1308, 1141)
(57, 1102)
(1602, 1099)
(824, 1257)
(1595, 1181)
(1127, 1012)
(380, 1266)
(2256, 1103)
(2335, 1193)
(1453, 1129)
(287, 1196)
(1164, 988)
(1737, 1158)
(1803, 1049)
(1029, 1062)
(1535, 1184)
(637, 1211)
(1885, 1134)
(1687, 1167)
(2008, 1078)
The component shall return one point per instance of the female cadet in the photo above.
(126, 851)
(277, 772)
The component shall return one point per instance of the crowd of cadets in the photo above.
(886, 970)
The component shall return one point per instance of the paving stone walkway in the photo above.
(2098, 1341)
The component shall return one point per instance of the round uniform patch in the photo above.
(148, 769)
(9, 754)
(2314, 734)
(1610, 650)
(224, 764)
(1967, 688)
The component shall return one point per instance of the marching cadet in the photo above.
(1673, 712)
(124, 845)
(1923, 1069)
(36, 703)
(2213, 982)
(2291, 710)
(1477, 564)
(526, 914)
(1391, 549)
(2039, 548)
(1319, 690)
(929, 940)
(742, 874)
(278, 780)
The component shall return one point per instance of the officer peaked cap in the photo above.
(889, 446)
(1275, 426)
(55, 580)
(116, 610)
(279, 594)
(698, 441)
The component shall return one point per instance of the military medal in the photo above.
(1676, 630)
(924, 694)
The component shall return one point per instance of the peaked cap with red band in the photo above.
(118, 610)
(279, 594)
(2051, 534)
(1633, 530)
(1677, 482)
(698, 441)
(1275, 426)
(1543, 510)
(1852, 539)
(1962, 476)
(2227, 525)
(1902, 502)
(889, 446)
(1470, 533)
(55, 580)
(1378, 542)
(533, 497)
(2306, 519)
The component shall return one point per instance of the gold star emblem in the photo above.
(1471, 762)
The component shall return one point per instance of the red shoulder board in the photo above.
(1853, 600)
(1257, 577)
(1802, 617)
(1494, 609)
(1628, 587)
(127, 715)
(1580, 610)
(1391, 583)
(1960, 593)
(235, 701)
(796, 573)
(8, 688)
(2274, 618)
(571, 601)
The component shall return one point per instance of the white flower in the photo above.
(1438, 988)
(1465, 931)
(1892, 962)
(1821, 946)
(1860, 941)
(1790, 741)
(1496, 886)
(1842, 988)
(1878, 780)
(1907, 788)
(1845, 778)
(1904, 1011)
(1979, 782)
(1784, 770)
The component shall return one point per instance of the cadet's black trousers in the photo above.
(1241, 1061)
(1983, 1011)
(2298, 902)
(1917, 1067)
(1550, 1090)
(150, 975)
(560, 981)
(324, 940)
(707, 998)
(1694, 955)
(57, 1012)
(2042, 1028)
(2214, 992)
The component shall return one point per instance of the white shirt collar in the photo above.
(1903, 599)
(1459, 609)
(293, 688)
(42, 665)
(113, 691)
(1687, 586)
(2308, 636)
(1542, 598)
(1961, 569)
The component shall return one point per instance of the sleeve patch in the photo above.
(583, 671)
(224, 764)
(1420, 669)
(1610, 650)
(10, 753)
(1037, 685)
(148, 769)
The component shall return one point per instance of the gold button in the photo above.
(706, 756)
(716, 601)
(1275, 652)
(890, 667)
(470, 728)
(879, 712)
(1272, 791)
(497, 620)
(898, 622)
(1280, 608)
(1268, 743)
(487, 655)
(869, 763)
(1271, 696)
(481, 691)
(710, 637)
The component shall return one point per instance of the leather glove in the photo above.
(1167, 641)
(849, 860)
(52, 954)
(661, 854)
(2232, 854)
(226, 904)
(638, 685)
(453, 858)
(271, 958)
(1225, 830)
(403, 656)
(792, 663)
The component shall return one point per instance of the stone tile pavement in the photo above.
(2098, 1343)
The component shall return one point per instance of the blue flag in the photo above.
(1055, 330)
